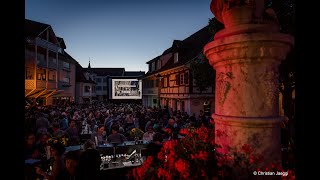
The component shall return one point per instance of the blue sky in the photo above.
(120, 33)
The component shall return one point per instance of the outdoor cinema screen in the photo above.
(126, 89)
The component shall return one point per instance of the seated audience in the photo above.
(116, 137)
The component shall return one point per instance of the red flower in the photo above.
(184, 131)
(219, 133)
(247, 149)
(168, 130)
(181, 166)
(201, 156)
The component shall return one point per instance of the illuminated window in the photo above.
(41, 74)
(51, 75)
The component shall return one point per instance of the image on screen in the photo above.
(126, 89)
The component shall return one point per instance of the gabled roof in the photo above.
(134, 73)
(188, 49)
(35, 29)
(152, 60)
(80, 77)
(107, 71)
(71, 59)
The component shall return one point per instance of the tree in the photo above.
(203, 73)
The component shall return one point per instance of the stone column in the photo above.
(246, 55)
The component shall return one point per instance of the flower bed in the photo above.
(195, 157)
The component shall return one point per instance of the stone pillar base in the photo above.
(262, 134)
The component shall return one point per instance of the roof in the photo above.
(107, 71)
(80, 77)
(61, 42)
(153, 60)
(71, 59)
(134, 73)
(33, 28)
(188, 49)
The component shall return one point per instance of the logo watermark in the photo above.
(270, 173)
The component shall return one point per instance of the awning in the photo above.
(42, 93)
(34, 93)
(47, 93)
(56, 93)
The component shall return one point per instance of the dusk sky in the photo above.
(119, 33)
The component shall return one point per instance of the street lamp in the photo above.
(159, 77)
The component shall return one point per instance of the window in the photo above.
(99, 88)
(98, 80)
(51, 75)
(105, 79)
(151, 83)
(158, 64)
(66, 79)
(165, 82)
(86, 89)
(93, 89)
(104, 88)
(178, 79)
(182, 79)
(66, 65)
(29, 73)
(52, 57)
(157, 82)
(153, 66)
(176, 57)
(41, 58)
(41, 74)
(186, 78)
(64, 76)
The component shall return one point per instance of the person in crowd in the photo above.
(57, 132)
(73, 133)
(99, 136)
(64, 121)
(56, 150)
(69, 172)
(155, 146)
(148, 135)
(129, 123)
(116, 137)
(172, 129)
(42, 123)
(30, 148)
(43, 143)
(89, 162)
(201, 119)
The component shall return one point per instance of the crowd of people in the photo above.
(104, 123)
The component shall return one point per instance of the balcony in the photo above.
(47, 45)
(52, 65)
(51, 85)
(41, 63)
(41, 84)
(30, 84)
